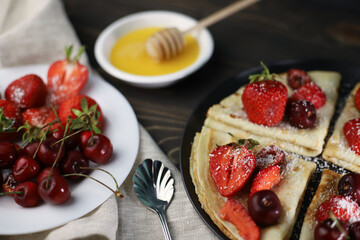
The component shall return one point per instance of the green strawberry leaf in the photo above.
(84, 105)
(264, 75)
(77, 112)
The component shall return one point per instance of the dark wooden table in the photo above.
(268, 31)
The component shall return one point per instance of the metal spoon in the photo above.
(154, 186)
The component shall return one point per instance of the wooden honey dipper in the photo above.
(169, 42)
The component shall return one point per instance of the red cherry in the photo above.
(8, 154)
(98, 149)
(45, 173)
(48, 151)
(25, 168)
(84, 138)
(354, 231)
(327, 230)
(297, 78)
(56, 192)
(29, 194)
(71, 142)
(29, 149)
(72, 162)
(349, 186)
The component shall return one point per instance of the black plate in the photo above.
(350, 75)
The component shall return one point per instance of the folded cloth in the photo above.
(36, 31)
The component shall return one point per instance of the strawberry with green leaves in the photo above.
(264, 99)
(80, 107)
(10, 120)
(231, 166)
(66, 77)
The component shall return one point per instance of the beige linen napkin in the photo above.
(36, 31)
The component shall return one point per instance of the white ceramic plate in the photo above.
(114, 31)
(120, 126)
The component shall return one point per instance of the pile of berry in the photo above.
(266, 100)
(61, 132)
(339, 217)
(231, 167)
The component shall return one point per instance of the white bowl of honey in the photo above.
(120, 49)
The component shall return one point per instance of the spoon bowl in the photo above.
(154, 187)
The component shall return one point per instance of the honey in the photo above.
(129, 54)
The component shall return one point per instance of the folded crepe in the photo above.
(337, 149)
(326, 189)
(295, 174)
(229, 116)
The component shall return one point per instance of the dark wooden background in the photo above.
(271, 30)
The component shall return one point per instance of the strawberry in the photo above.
(266, 179)
(26, 92)
(39, 117)
(269, 156)
(10, 120)
(352, 134)
(234, 212)
(79, 106)
(66, 78)
(357, 99)
(312, 93)
(264, 99)
(342, 207)
(231, 166)
(297, 78)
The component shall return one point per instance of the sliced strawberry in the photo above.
(39, 117)
(312, 93)
(78, 106)
(66, 78)
(10, 120)
(26, 92)
(234, 212)
(269, 156)
(266, 179)
(264, 99)
(230, 167)
(342, 207)
(352, 134)
(297, 78)
(357, 99)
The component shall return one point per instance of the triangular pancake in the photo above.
(337, 149)
(295, 176)
(229, 114)
(326, 189)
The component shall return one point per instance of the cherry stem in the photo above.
(58, 154)
(112, 176)
(338, 225)
(7, 193)
(56, 114)
(117, 193)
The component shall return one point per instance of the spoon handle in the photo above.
(221, 14)
(164, 224)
